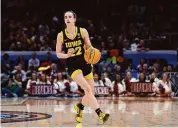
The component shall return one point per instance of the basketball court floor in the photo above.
(59, 112)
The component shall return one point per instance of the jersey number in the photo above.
(78, 51)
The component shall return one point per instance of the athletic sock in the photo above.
(98, 111)
(81, 106)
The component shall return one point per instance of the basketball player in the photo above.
(74, 40)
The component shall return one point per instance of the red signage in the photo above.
(42, 89)
(100, 90)
(141, 87)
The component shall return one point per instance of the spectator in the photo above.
(141, 46)
(118, 86)
(97, 82)
(45, 48)
(43, 80)
(21, 61)
(165, 69)
(142, 78)
(12, 47)
(134, 45)
(71, 88)
(18, 69)
(6, 64)
(107, 82)
(30, 70)
(103, 46)
(127, 82)
(54, 71)
(48, 60)
(145, 68)
(19, 47)
(34, 61)
(153, 78)
(140, 66)
(12, 89)
(164, 86)
(31, 82)
(117, 69)
(169, 68)
(59, 84)
(17, 79)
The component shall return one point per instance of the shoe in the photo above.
(104, 117)
(79, 114)
(79, 125)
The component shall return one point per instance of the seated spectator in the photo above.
(59, 84)
(169, 68)
(53, 73)
(145, 69)
(4, 79)
(6, 64)
(117, 69)
(153, 78)
(18, 69)
(163, 87)
(48, 59)
(13, 89)
(118, 86)
(165, 69)
(18, 79)
(71, 88)
(142, 78)
(29, 72)
(43, 80)
(34, 61)
(97, 81)
(21, 61)
(31, 81)
(142, 62)
(107, 82)
(141, 46)
(134, 45)
(127, 82)
(45, 48)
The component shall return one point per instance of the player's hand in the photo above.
(70, 52)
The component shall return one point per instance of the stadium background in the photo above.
(139, 36)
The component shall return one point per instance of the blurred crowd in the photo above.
(17, 78)
(113, 25)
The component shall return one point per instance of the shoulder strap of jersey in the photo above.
(64, 35)
(81, 32)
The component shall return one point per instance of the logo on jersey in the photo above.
(78, 36)
(73, 44)
(18, 116)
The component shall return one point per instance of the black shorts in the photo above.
(86, 69)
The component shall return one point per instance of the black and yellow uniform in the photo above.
(76, 63)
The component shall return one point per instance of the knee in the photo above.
(87, 90)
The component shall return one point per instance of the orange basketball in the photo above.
(92, 55)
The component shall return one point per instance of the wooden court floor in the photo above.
(59, 112)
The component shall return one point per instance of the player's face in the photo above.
(69, 18)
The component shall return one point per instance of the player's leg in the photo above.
(89, 98)
(88, 75)
(90, 81)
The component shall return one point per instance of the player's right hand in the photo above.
(70, 52)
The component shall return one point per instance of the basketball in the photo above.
(92, 55)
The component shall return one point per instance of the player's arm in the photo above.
(86, 38)
(59, 47)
